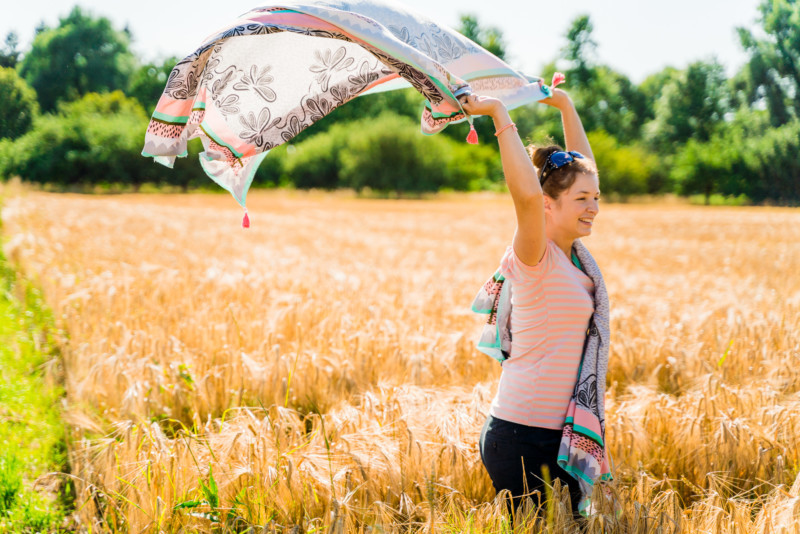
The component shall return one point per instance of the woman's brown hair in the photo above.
(561, 179)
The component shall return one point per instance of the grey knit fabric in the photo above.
(590, 389)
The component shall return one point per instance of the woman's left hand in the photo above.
(482, 105)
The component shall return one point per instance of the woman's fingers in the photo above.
(474, 104)
(468, 104)
(481, 105)
(558, 100)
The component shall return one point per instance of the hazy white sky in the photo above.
(636, 37)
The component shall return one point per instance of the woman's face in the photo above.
(574, 212)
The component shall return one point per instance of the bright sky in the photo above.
(636, 37)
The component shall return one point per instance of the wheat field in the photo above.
(317, 372)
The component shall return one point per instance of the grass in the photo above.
(720, 200)
(32, 436)
(318, 370)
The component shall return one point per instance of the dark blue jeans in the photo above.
(506, 447)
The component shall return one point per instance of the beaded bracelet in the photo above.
(504, 128)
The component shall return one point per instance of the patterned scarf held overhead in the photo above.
(582, 452)
(272, 73)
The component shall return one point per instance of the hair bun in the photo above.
(539, 154)
(561, 178)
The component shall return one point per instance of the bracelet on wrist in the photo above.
(504, 128)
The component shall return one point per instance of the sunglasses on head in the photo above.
(556, 160)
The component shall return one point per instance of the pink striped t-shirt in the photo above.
(552, 304)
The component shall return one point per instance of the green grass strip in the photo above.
(32, 435)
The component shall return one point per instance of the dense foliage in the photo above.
(19, 105)
(148, 81)
(9, 55)
(94, 140)
(386, 154)
(83, 54)
(687, 131)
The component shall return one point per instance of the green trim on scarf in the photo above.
(437, 115)
(574, 471)
(490, 73)
(169, 119)
(210, 133)
(258, 158)
(149, 155)
(584, 431)
(576, 261)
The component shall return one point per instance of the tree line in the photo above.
(74, 108)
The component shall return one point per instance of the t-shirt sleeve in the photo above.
(515, 270)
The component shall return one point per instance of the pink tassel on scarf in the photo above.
(472, 137)
(246, 220)
(558, 78)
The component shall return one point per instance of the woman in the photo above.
(539, 417)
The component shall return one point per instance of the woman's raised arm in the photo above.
(574, 134)
(530, 241)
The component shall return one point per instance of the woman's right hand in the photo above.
(574, 134)
(560, 100)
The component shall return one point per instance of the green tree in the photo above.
(18, 106)
(387, 154)
(773, 72)
(773, 167)
(624, 170)
(315, 162)
(392, 156)
(490, 38)
(745, 157)
(613, 103)
(607, 99)
(581, 51)
(94, 140)
(83, 54)
(9, 55)
(652, 88)
(699, 167)
(692, 105)
(762, 160)
(755, 86)
(148, 81)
